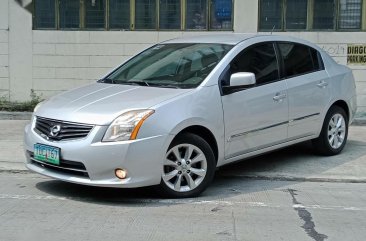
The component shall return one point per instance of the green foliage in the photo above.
(6, 105)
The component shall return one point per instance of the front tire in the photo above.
(189, 167)
(334, 133)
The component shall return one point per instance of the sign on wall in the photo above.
(356, 54)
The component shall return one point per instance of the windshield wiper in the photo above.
(142, 83)
(167, 86)
(107, 81)
(112, 81)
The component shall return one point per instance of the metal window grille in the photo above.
(270, 15)
(119, 14)
(350, 14)
(296, 14)
(196, 14)
(145, 14)
(45, 14)
(94, 13)
(69, 14)
(133, 14)
(324, 14)
(170, 16)
(221, 14)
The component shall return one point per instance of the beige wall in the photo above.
(54, 61)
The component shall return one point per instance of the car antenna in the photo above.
(273, 29)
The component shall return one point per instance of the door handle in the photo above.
(279, 97)
(322, 84)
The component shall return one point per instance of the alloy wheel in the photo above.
(336, 131)
(185, 167)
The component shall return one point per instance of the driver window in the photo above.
(260, 60)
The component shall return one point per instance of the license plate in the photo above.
(47, 153)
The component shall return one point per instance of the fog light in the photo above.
(121, 173)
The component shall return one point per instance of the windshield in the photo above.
(183, 65)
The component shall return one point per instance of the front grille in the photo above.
(66, 167)
(57, 130)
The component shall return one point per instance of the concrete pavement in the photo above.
(290, 194)
(11, 145)
(293, 163)
(36, 208)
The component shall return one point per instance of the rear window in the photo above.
(299, 59)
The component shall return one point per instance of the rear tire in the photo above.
(334, 133)
(189, 167)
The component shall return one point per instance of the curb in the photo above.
(359, 122)
(14, 171)
(360, 119)
(287, 178)
(7, 115)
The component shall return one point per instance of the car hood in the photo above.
(100, 104)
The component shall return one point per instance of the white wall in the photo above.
(4, 49)
(65, 59)
(20, 52)
(245, 16)
(53, 61)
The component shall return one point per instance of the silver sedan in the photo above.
(175, 112)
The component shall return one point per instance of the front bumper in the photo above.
(142, 158)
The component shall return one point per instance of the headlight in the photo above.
(126, 126)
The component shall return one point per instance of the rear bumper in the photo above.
(352, 103)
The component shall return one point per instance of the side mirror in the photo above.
(238, 82)
(242, 79)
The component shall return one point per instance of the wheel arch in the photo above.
(204, 133)
(342, 104)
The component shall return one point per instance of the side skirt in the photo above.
(265, 150)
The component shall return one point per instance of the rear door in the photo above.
(308, 90)
(256, 117)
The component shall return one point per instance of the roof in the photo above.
(225, 38)
(236, 38)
